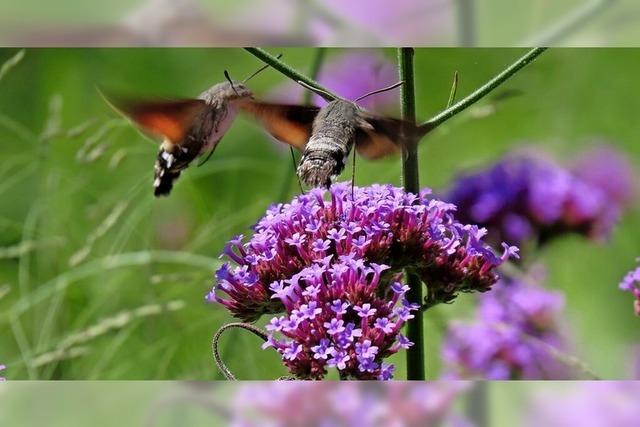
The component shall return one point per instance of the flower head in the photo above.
(528, 198)
(515, 326)
(382, 228)
(631, 283)
(2, 368)
(342, 333)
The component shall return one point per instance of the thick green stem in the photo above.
(478, 404)
(289, 71)
(481, 92)
(467, 23)
(411, 182)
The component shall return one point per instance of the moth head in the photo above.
(232, 89)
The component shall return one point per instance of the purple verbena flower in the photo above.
(389, 230)
(524, 197)
(323, 350)
(385, 325)
(339, 307)
(386, 372)
(404, 341)
(334, 327)
(365, 311)
(516, 325)
(631, 283)
(339, 336)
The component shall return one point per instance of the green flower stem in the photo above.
(572, 22)
(467, 34)
(477, 404)
(481, 92)
(415, 354)
(289, 71)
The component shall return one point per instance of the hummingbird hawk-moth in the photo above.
(189, 128)
(193, 127)
(327, 135)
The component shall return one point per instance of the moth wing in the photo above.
(165, 118)
(291, 124)
(379, 137)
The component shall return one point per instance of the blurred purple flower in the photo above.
(631, 283)
(350, 75)
(2, 368)
(387, 227)
(609, 170)
(527, 198)
(346, 404)
(592, 404)
(514, 325)
(354, 22)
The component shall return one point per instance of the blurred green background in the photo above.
(100, 280)
(159, 403)
(495, 22)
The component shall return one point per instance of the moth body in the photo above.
(333, 136)
(202, 133)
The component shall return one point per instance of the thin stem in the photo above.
(415, 354)
(454, 90)
(318, 59)
(569, 23)
(481, 92)
(289, 71)
(216, 352)
(478, 404)
(466, 23)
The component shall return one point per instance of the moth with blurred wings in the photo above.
(193, 127)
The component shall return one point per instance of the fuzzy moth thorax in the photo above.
(333, 136)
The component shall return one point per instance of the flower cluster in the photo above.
(339, 316)
(332, 261)
(381, 224)
(347, 403)
(631, 283)
(2, 368)
(516, 326)
(528, 198)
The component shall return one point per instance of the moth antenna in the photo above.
(261, 69)
(324, 94)
(293, 160)
(226, 76)
(353, 175)
(384, 89)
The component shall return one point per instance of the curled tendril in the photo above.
(214, 345)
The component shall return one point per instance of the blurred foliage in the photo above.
(497, 22)
(85, 240)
